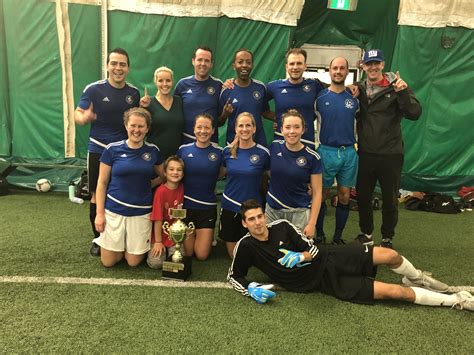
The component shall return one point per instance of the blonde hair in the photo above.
(159, 70)
(235, 143)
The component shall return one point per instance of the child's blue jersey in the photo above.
(290, 175)
(129, 192)
(198, 97)
(336, 114)
(246, 99)
(109, 105)
(201, 170)
(244, 176)
(300, 97)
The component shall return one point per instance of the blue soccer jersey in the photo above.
(246, 99)
(244, 176)
(290, 175)
(109, 105)
(336, 118)
(300, 97)
(198, 97)
(201, 170)
(129, 192)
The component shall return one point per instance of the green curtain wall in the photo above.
(439, 65)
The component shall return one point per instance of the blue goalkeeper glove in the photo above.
(260, 293)
(291, 259)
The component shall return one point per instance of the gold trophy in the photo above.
(177, 266)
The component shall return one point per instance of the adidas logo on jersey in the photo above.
(284, 91)
(124, 155)
(234, 101)
(106, 99)
(190, 155)
(189, 91)
(279, 154)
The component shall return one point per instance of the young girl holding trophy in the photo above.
(167, 196)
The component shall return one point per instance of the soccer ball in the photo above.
(43, 185)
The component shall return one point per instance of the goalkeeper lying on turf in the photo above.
(344, 271)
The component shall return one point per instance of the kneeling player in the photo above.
(347, 272)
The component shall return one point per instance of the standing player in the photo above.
(295, 167)
(103, 104)
(347, 272)
(246, 164)
(200, 93)
(336, 110)
(295, 93)
(202, 168)
(384, 100)
(246, 95)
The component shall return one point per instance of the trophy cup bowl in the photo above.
(177, 266)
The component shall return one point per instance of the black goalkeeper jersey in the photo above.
(264, 255)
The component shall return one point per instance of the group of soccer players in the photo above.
(295, 169)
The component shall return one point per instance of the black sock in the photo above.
(92, 214)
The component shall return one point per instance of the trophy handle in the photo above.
(166, 227)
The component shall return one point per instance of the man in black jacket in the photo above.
(384, 100)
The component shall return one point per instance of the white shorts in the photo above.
(297, 216)
(124, 233)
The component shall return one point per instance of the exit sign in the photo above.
(348, 5)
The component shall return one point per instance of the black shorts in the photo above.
(349, 273)
(231, 228)
(202, 218)
(93, 164)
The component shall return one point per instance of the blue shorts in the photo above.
(339, 163)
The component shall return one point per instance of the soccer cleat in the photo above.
(338, 241)
(386, 243)
(320, 239)
(464, 301)
(364, 239)
(95, 249)
(426, 281)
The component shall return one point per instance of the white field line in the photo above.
(114, 282)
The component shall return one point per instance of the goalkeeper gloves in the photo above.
(291, 259)
(260, 293)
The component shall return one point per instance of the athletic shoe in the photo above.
(386, 243)
(426, 281)
(364, 239)
(95, 249)
(320, 239)
(338, 241)
(464, 301)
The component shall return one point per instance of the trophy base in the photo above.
(177, 271)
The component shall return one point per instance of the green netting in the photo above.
(439, 65)
(5, 121)
(34, 70)
(372, 25)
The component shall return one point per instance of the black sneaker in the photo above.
(95, 250)
(320, 239)
(338, 241)
(364, 239)
(386, 243)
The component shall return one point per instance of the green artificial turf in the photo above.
(46, 235)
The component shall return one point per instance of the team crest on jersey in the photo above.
(301, 161)
(327, 103)
(349, 104)
(306, 88)
(212, 156)
(146, 156)
(254, 158)
(256, 95)
(211, 90)
(129, 99)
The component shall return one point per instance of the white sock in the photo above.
(431, 298)
(407, 269)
